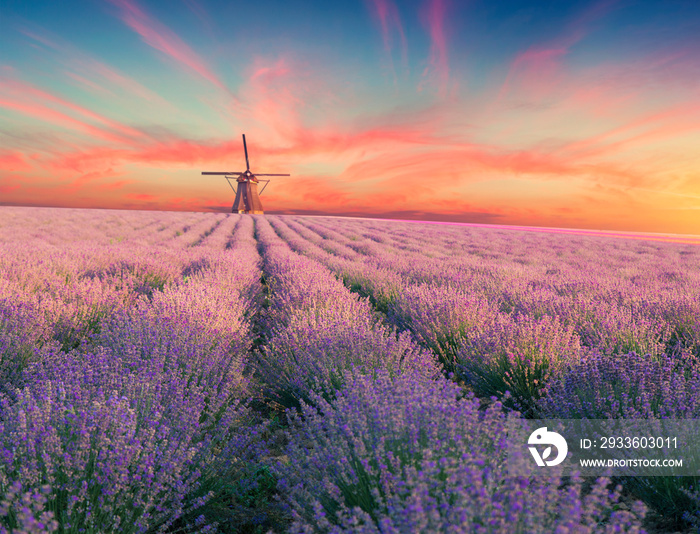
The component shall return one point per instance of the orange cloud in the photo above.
(13, 162)
(141, 196)
(669, 122)
(116, 185)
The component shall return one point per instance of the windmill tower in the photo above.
(247, 196)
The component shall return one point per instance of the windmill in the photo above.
(247, 196)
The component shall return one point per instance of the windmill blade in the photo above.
(245, 147)
(219, 173)
(256, 174)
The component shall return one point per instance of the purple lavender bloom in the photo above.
(626, 386)
(632, 386)
(399, 454)
(124, 337)
(25, 336)
(129, 431)
(516, 354)
(318, 329)
(123, 442)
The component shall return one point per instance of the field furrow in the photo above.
(221, 233)
(474, 312)
(145, 347)
(318, 329)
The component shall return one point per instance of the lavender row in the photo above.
(492, 351)
(629, 302)
(401, 454)
(317, 328)
(70, 291)
(441, 311)
(394, 452)
(568, 265)
(443, 318)
(131, 429)
(541, 359)
(58, 225)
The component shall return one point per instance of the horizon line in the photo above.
(693, 239)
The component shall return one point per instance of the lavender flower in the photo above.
(516, 354)
(405, 455)
(628, 386)
(317, 329)
(631, 386)
(122, 442)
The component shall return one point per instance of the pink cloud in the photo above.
(89, 67)
(47, 114)
(263, 74)
(89, 84)
(7, 189)
(13, 162)
(402, 179)
(10, 183)
(113, 186)
(274, 96)
(299, 147)
(141, 196)
(669, 122)
(534, 72)
(165, 40)
(81, 181)
(25, 97)
(120, 80)
(283, 98)
(427, 173)
(438, 65)
(316, 191)
(389, 20)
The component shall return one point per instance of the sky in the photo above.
(576, 114)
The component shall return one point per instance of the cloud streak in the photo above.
(387, 15)
(161, 38)
(11, 161)
(438, 69)
(534, 71)
(86, 69)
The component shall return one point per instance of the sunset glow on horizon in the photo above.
(578, 115)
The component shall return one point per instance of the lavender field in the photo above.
(200, 372)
